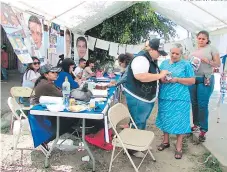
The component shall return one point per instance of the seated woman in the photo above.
(67, 71)
(174, 99)
(78, 90)
(87, 72)
(31, 74)
(44, 86)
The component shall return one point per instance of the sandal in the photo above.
(178, 154)
(163, 146)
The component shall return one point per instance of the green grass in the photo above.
(208, 163)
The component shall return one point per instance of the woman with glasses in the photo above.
(31, 73)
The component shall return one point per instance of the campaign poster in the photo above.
(36, 40)
(68, 42)
(15, 33)
(80, 47)
(53, 40)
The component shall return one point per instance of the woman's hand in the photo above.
(173, 80)
(83, 79)
(164, 72)
(205, 60)
(79, 82)
(163, 80)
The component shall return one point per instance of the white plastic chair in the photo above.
(25, 92)
(16, 93)
(21, 124)
(128, 138)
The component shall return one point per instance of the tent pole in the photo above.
(208, 13)
(67, 10)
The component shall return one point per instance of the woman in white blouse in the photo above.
(31, 73)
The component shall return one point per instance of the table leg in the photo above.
(47, 163)
(107, 137)
(86, 146)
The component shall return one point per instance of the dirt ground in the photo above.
(33, 161)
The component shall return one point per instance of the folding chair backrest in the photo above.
(21, 92)
(117, 113)
(15, 108)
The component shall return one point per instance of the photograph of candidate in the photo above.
(81, 46)
(35, 27)
(67, 43)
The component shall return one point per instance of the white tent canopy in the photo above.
(78, 15)
(194, 15)
(81, 16)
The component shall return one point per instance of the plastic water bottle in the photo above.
(66, 92)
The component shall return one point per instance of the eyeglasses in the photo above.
(35, 63)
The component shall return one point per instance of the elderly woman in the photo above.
(174, 99)
(203, 88)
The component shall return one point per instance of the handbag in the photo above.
(82, 94)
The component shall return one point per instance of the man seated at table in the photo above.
(79, 69)
(44, 86)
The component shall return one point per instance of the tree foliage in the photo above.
(133, 25)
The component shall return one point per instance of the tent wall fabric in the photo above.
(104, 45)
(194, 15)
(113, 49)
(220, 41)
(121, 49)
(91, 43)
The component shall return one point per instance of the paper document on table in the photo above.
(50, 100)
(99, 93)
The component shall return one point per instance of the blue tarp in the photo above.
(224, 60)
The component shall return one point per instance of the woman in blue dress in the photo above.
(174, 99)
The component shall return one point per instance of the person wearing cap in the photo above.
(4, 62)
(44, 86)
(141, 86)
(174, 99)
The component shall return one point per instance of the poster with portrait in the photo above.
(68, 42)
(15, 33)
(20, 49)
(80, 47)
(9, 20)
(53, 41)
(35, 43)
